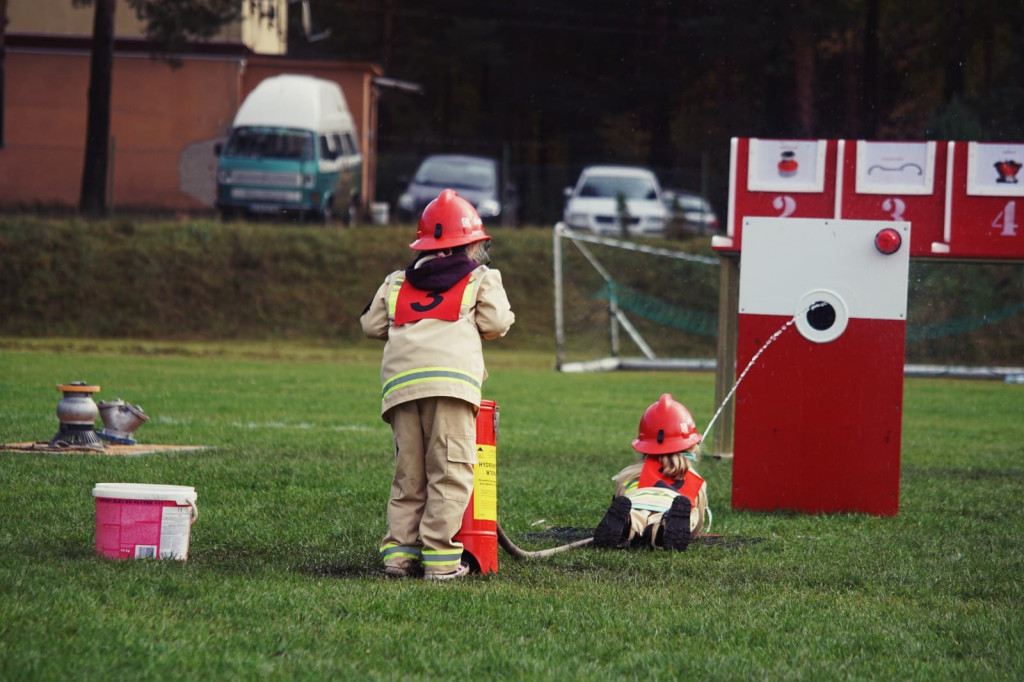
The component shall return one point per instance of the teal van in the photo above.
(292, 151)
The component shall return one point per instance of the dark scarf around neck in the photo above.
(441, 273)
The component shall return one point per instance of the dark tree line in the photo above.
(551, 85)
(556, 84)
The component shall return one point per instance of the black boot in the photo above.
(677, 525)
(614, 527)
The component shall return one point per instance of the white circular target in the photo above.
(821, 316)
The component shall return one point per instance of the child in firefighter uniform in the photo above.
(660, 501)
(433, 316)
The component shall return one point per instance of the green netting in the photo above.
(706, 324)
(658, 311)
(935, 330)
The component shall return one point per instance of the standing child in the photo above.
(433, 316)
(661, 500)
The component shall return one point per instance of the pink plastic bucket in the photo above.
(144, 521)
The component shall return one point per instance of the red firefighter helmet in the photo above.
(448, 221)
(665, 428)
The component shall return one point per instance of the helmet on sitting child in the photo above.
(666, 428)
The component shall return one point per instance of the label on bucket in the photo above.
(142, 529)
(485, 483)
(174, 532)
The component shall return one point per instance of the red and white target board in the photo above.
(965, 200)
(818, 416)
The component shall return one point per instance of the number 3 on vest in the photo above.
(436, 299)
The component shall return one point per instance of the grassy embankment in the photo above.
(196, 281)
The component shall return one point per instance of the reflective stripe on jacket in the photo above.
(434, 357)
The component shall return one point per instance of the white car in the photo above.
(605, 195)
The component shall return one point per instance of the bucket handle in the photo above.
(193, 512)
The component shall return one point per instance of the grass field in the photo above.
(283, 581)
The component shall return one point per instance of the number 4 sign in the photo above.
(981, 212)
(1004, 222)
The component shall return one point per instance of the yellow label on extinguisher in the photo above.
(485, 483)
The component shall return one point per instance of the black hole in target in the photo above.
(821, 316)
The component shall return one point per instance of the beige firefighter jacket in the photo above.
(437, 358)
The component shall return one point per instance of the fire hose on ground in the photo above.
(510, 547)
(481, 535)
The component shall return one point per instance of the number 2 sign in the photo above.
(785, 205)
(779, 179)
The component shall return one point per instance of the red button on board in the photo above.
(888, 241)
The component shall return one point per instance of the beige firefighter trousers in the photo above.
(435, 450)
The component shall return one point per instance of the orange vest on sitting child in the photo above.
(652, 477)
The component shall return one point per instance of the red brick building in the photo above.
(165, 120)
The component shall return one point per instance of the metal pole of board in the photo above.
(559, 322)
(725, 367)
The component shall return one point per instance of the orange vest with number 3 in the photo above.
(415, 304)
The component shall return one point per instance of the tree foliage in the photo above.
(554, 85)
(665, 83)
(173, 24)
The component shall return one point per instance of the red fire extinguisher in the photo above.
(479, 532)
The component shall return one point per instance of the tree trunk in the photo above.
(869, 101)
(92, 200)
(988, 52)
(661, 154)
(3, 33)
(388, 36)
(804, 62)
(954, 85)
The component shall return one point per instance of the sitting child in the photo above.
(661, 500)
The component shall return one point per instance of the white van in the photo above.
(292, 150)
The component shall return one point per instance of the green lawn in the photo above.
(283, 581)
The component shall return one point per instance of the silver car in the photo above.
(691, 212)
(477, 179)
(607, 199)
